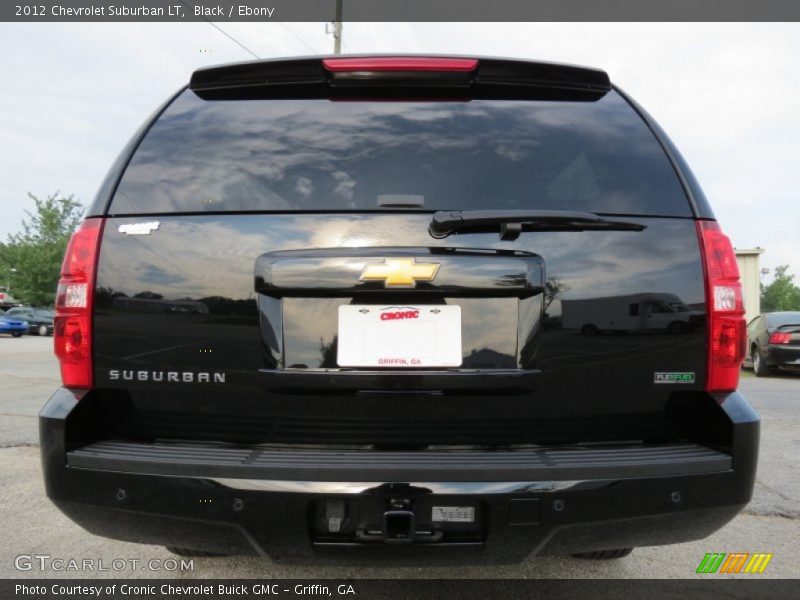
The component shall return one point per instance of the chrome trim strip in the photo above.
(434, 487)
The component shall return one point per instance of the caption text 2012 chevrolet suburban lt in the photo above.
(402, 304)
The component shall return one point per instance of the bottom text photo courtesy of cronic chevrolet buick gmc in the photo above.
(400, 305)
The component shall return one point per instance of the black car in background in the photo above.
(40, 320)
(774, 342)
(305, 315)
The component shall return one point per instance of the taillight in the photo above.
(72, 330)
(725, 309)
(413, 71)
(780, 337)
(383, 64)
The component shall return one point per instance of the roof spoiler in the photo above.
(326, 76)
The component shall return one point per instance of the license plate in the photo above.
(402, 336)
(453, 514)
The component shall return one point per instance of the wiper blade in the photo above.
(510, 223)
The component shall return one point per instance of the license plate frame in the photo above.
(399, 336)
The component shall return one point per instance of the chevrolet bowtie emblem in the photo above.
(399, 272)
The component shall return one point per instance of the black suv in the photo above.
(306, 314)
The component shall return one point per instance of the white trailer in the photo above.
(650, 311)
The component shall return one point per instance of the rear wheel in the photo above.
(760, 367)
(190, 552)
(676, 327)
(605, 554)
(589, 329)
(17, 334)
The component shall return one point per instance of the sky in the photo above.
(72, 94)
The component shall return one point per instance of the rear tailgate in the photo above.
(180, 326)
(252, 215)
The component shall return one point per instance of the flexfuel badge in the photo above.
(673, 377)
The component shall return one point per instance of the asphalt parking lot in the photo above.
(30, 525)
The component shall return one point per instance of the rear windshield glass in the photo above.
(325, 155)
(782, 319)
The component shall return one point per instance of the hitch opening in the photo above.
(398, 526)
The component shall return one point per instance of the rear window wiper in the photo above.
(510, 223)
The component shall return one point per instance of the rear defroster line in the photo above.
(157, 351)
(615, 355)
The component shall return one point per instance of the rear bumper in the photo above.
(779, 356)
(258, 501)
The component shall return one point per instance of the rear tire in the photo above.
(190, 552)
(589, 329)
(676, 327)
(604, 554)
(17, 334)
(760, 367)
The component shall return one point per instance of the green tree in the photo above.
(554, 287)
(782, 293)
(30, 260)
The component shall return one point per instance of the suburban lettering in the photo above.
(172, 376)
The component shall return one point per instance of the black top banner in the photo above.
(399, 10)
